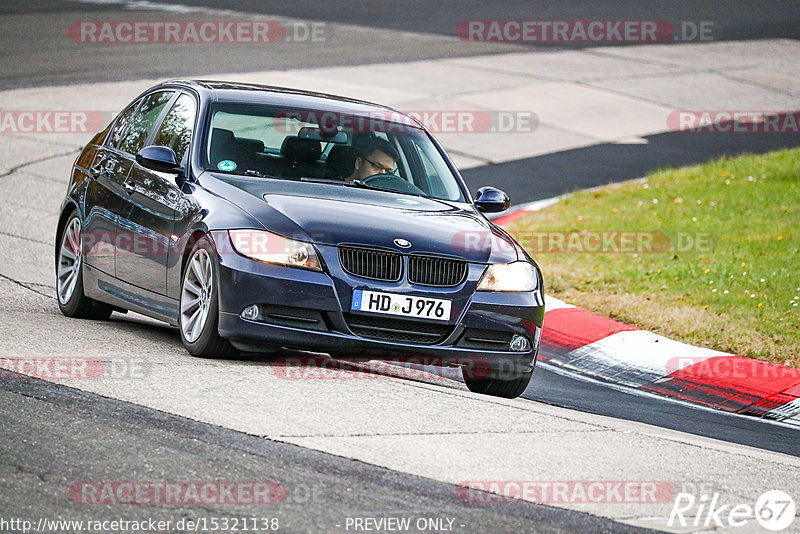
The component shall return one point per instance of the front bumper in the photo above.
(472, 339)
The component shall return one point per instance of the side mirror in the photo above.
(491, 200)
(158, 158)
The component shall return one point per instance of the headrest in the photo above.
(340, 162)
(296, 149)
(220, 136)
(250, 145)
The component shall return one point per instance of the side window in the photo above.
(144, 120)
(176, 130)
(121, 127)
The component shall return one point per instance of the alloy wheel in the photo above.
(196, 295)
(69, 261)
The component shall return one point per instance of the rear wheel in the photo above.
(69, 276)
(509, 389)
(199, 305)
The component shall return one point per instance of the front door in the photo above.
(144, 228)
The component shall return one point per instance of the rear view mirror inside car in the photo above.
(337, 136)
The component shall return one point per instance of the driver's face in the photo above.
(376, 162)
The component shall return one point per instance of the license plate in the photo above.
(404, 305)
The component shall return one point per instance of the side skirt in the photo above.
(105, 288)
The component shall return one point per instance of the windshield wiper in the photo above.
(322, 180)
(365, 185)
(356, 183)
(258, 174)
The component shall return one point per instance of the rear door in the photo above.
(105, 194)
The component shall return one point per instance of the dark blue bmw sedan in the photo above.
(257, 217)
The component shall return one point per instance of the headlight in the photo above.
(272, 248)
(516, 276)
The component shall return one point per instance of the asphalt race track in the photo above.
(315, 483)
(601, 164)
(383, 441)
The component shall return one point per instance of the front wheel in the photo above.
(69, 276)
(509, 389)
(199, 305)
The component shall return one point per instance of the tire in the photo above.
(198, 314)
(69, 275)
(509, 389)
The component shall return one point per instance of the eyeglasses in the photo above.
(384, 170)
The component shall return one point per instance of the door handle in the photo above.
(130, 187)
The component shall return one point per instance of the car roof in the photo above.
(251, 93)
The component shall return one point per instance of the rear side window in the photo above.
(117, 135)
(176, 130)
(143, 121)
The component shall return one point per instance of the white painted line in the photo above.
(635, 357)
(789, 413)
(632, 390)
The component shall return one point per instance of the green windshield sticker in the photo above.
(226, 165)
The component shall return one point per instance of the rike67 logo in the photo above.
(774, 510)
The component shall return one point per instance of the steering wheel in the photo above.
(391, 181)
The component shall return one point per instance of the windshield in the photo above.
(371, 151)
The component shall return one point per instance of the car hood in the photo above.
(335, 215)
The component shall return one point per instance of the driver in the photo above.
(377, 156)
